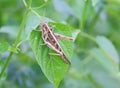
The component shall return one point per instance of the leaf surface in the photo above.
(53, 67)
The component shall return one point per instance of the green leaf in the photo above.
(108, 49)
(107, 55)
(10, 30)
(82, 9)
(3, 46)
(75, 34)
(33, 21)
(53, 67)
(104, 61)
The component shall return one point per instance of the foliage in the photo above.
(95, 27)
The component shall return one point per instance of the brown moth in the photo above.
(50, 39)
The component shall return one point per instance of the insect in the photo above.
(50, 39)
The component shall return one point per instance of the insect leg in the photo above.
(63, 56)
(59, 36)
(52, 47)
(54, 54)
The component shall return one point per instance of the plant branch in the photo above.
(21, 29)
(94, 21)
(24, 2)
(6, 64)
(34, 8)
(35, 13)
(15, 44)
(84, 15)
(88, 36)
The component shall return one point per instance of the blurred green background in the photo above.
(90, 68)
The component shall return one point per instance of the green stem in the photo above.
(88, 36)
(39, 6)
(21, 29)
(24, 2)
(6, 64)
(19, 34)
(84, 16)
(94, 21)
(35, 13)
(15, 44)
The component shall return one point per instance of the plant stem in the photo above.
(21, 29)
(88, 36)
(6, 64)
(84, 15)
(94, 21)
(39, 6)
(24, 2)
(35, 13)
(15, 44)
